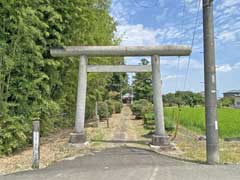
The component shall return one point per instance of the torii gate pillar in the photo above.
(159, 138)
(79, 136)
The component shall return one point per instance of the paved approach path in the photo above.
(121, 126)
(125, 163)
(128, 164)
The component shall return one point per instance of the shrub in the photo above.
(226, 102)
(114, 95)
(118, 106)
(147, 109)
(170, 125)
(141, 107)
(149, 122)
(110, 106)
(114, 106)
(136, 109)
(103, 110)
(14, 134)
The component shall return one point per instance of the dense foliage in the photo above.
(108, 107)
(33, 85)
(144, 109)
(103, 110)
(142, 84)
(226, 102)
(141, 107)
(183, 98)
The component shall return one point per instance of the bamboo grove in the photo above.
(33, 85)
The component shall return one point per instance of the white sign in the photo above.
(35, 142)
(216, 125)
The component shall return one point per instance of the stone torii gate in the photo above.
(159, 138)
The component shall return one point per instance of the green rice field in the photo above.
(194, 119)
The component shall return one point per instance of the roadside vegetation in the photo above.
(36, 86)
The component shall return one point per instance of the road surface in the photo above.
(125, 163)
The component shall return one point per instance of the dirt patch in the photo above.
(52, 149)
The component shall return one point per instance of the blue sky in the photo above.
(155, 22)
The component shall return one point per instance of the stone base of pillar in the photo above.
(162, 141)
(77, 138)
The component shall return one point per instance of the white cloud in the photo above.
(192, 6)
(227, 67)
(183, 63)
(119, 11)
(137, 35)
(140, 35)
(224, 68)
(228, 3)
(236, 66)
(171, 63)
(172, 77)
(227, 22)
(227, 36)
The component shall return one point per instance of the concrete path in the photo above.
(121, 125)
(128, 164)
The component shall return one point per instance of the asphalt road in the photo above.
(128, 164)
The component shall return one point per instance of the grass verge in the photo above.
(194, 119)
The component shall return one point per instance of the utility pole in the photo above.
(210, 84)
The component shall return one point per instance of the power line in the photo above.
(181, 26)
(178, 64)
(192, 43)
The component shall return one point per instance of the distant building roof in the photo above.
(127, 95)
(232, 93)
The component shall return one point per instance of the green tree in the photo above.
(181, 98)
(142, 84)
(226, 101)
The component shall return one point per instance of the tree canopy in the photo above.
(34, 85)
(142, 84)
(183, 98)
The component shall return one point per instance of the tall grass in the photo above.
(194, 118)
